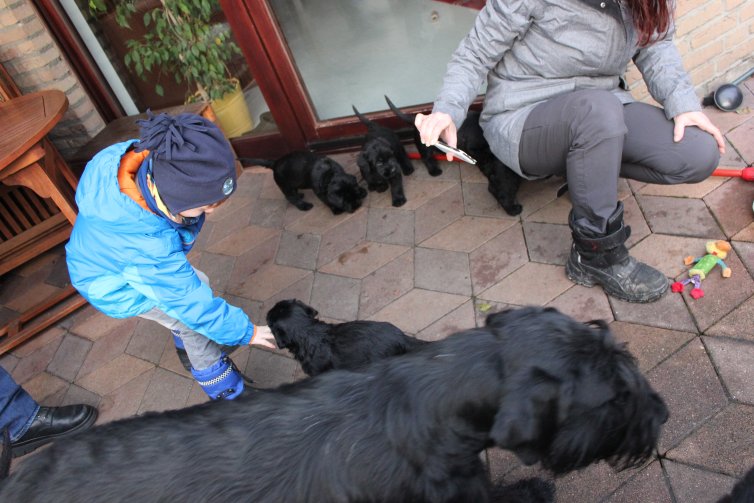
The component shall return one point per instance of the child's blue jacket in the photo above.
(125, 260)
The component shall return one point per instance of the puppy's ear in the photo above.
(311, 312)
(527, 416)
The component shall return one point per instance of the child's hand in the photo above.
(263, 337)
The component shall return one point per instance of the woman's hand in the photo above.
(263, 337)
(433, 126)
(701, 121)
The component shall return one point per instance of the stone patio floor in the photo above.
(438, 265)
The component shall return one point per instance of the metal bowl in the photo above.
(728, 97)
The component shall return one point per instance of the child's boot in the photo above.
(222, 380)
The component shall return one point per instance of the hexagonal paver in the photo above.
(467, 233)
(584, 304)
(418, 309)
(386, 284)
(649, 345)
(533, 283)
(737, 324)
(363, 259)
(437, 213)
(686, 217)
(442, 271)
(498, 257)
(548, 243)
(692, 485)
(734, 361)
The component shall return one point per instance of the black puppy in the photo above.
(382, 159)
(427, 154)
(403, 429)
(339, 190)
(321, 346)
(502, 182)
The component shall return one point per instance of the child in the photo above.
(141, 205)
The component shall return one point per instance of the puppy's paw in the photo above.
(399, 201)
(513, 209)
(435, 172)
(304, 206)
(381, 188)
(407, 170)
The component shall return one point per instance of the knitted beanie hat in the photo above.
(192, 162)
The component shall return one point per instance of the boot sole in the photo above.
(20, 450)
(583, 278)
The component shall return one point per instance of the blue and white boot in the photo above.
(221, 381)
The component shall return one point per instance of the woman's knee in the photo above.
(701, 154)
(599, 114)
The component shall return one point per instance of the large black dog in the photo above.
(743, 491)
(405, 429)
(321, 346)
(502, 182)
(382, 160)
(339, 190)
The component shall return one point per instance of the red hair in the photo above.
(650, 17)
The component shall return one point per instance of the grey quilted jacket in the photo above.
(533, 50)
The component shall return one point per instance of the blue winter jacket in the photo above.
(126, 260)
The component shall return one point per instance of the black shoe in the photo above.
(51, 423)
(604, 260)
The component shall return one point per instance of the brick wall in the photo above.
(716, 41)
(33, 60)
(714, 37)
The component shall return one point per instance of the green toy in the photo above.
(716, 252)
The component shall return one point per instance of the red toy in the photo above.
(746, 173)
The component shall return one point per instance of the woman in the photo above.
(555, 105)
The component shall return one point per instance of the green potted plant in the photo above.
(182, 39)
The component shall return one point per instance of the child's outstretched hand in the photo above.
(263, 337)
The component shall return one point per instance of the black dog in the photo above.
(426, 153)
(339, 190)
(404, 429)
(502, 182)
(382, 159)
(743, 491)
(321, 346)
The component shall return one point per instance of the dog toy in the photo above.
(716, 252)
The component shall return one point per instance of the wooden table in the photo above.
(29, 159)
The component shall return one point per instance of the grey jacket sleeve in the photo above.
(662, 68)
(495, 28)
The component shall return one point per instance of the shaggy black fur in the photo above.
(339, 190)
(321, 346)
(427, 153)
(382, 160)
(502, 182)
(743, 491)
(405, 429)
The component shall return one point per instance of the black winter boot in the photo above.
(604, 260)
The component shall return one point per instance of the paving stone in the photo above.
(461, 318)
(745, 234)
(114, 374)
(471, 174)
(268, 281)
(689, 385)
(317, 220)
(737, 324)
(390, 225)
(592, 483)
(35, 362)
(268, 213)
(536, 194)
(335, 296)
(229, 223)
(386, 284)
(678, 216)
(301, 290)
(42, 385)
(451, 171)
(40, 340)
(634, 218)
(9, 362)
(218, 268)
(418, 309)
(298, 250)
(734, 361)
(724, 444)
(437, 213)
(251, 262)
(342, 238)
(689, 190)
(647, 485)
(650, 345)
(498, 257)
(270, 370)
(740, 137)
(478, 202)
(666, 253)
(418, 193)
(124, 401)
(31, 296)
(363, 259)
(442, 271)
(467, 234)
(69, 357)
(166, 391)
(534, 283)
(99, 325)
(548, 243)
(555, 212)
(745, 252)
(731, 205)
(726, 121)
(692, 485)
(242, 241)
(107, 348)
(583, 304)
(485, 307)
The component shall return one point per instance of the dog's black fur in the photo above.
(502, 182)
(382, 160)
(295, 171)
(743, 491)
(405, 429)
(321, 346)
(427, 153)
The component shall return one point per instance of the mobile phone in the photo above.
(457, 153)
